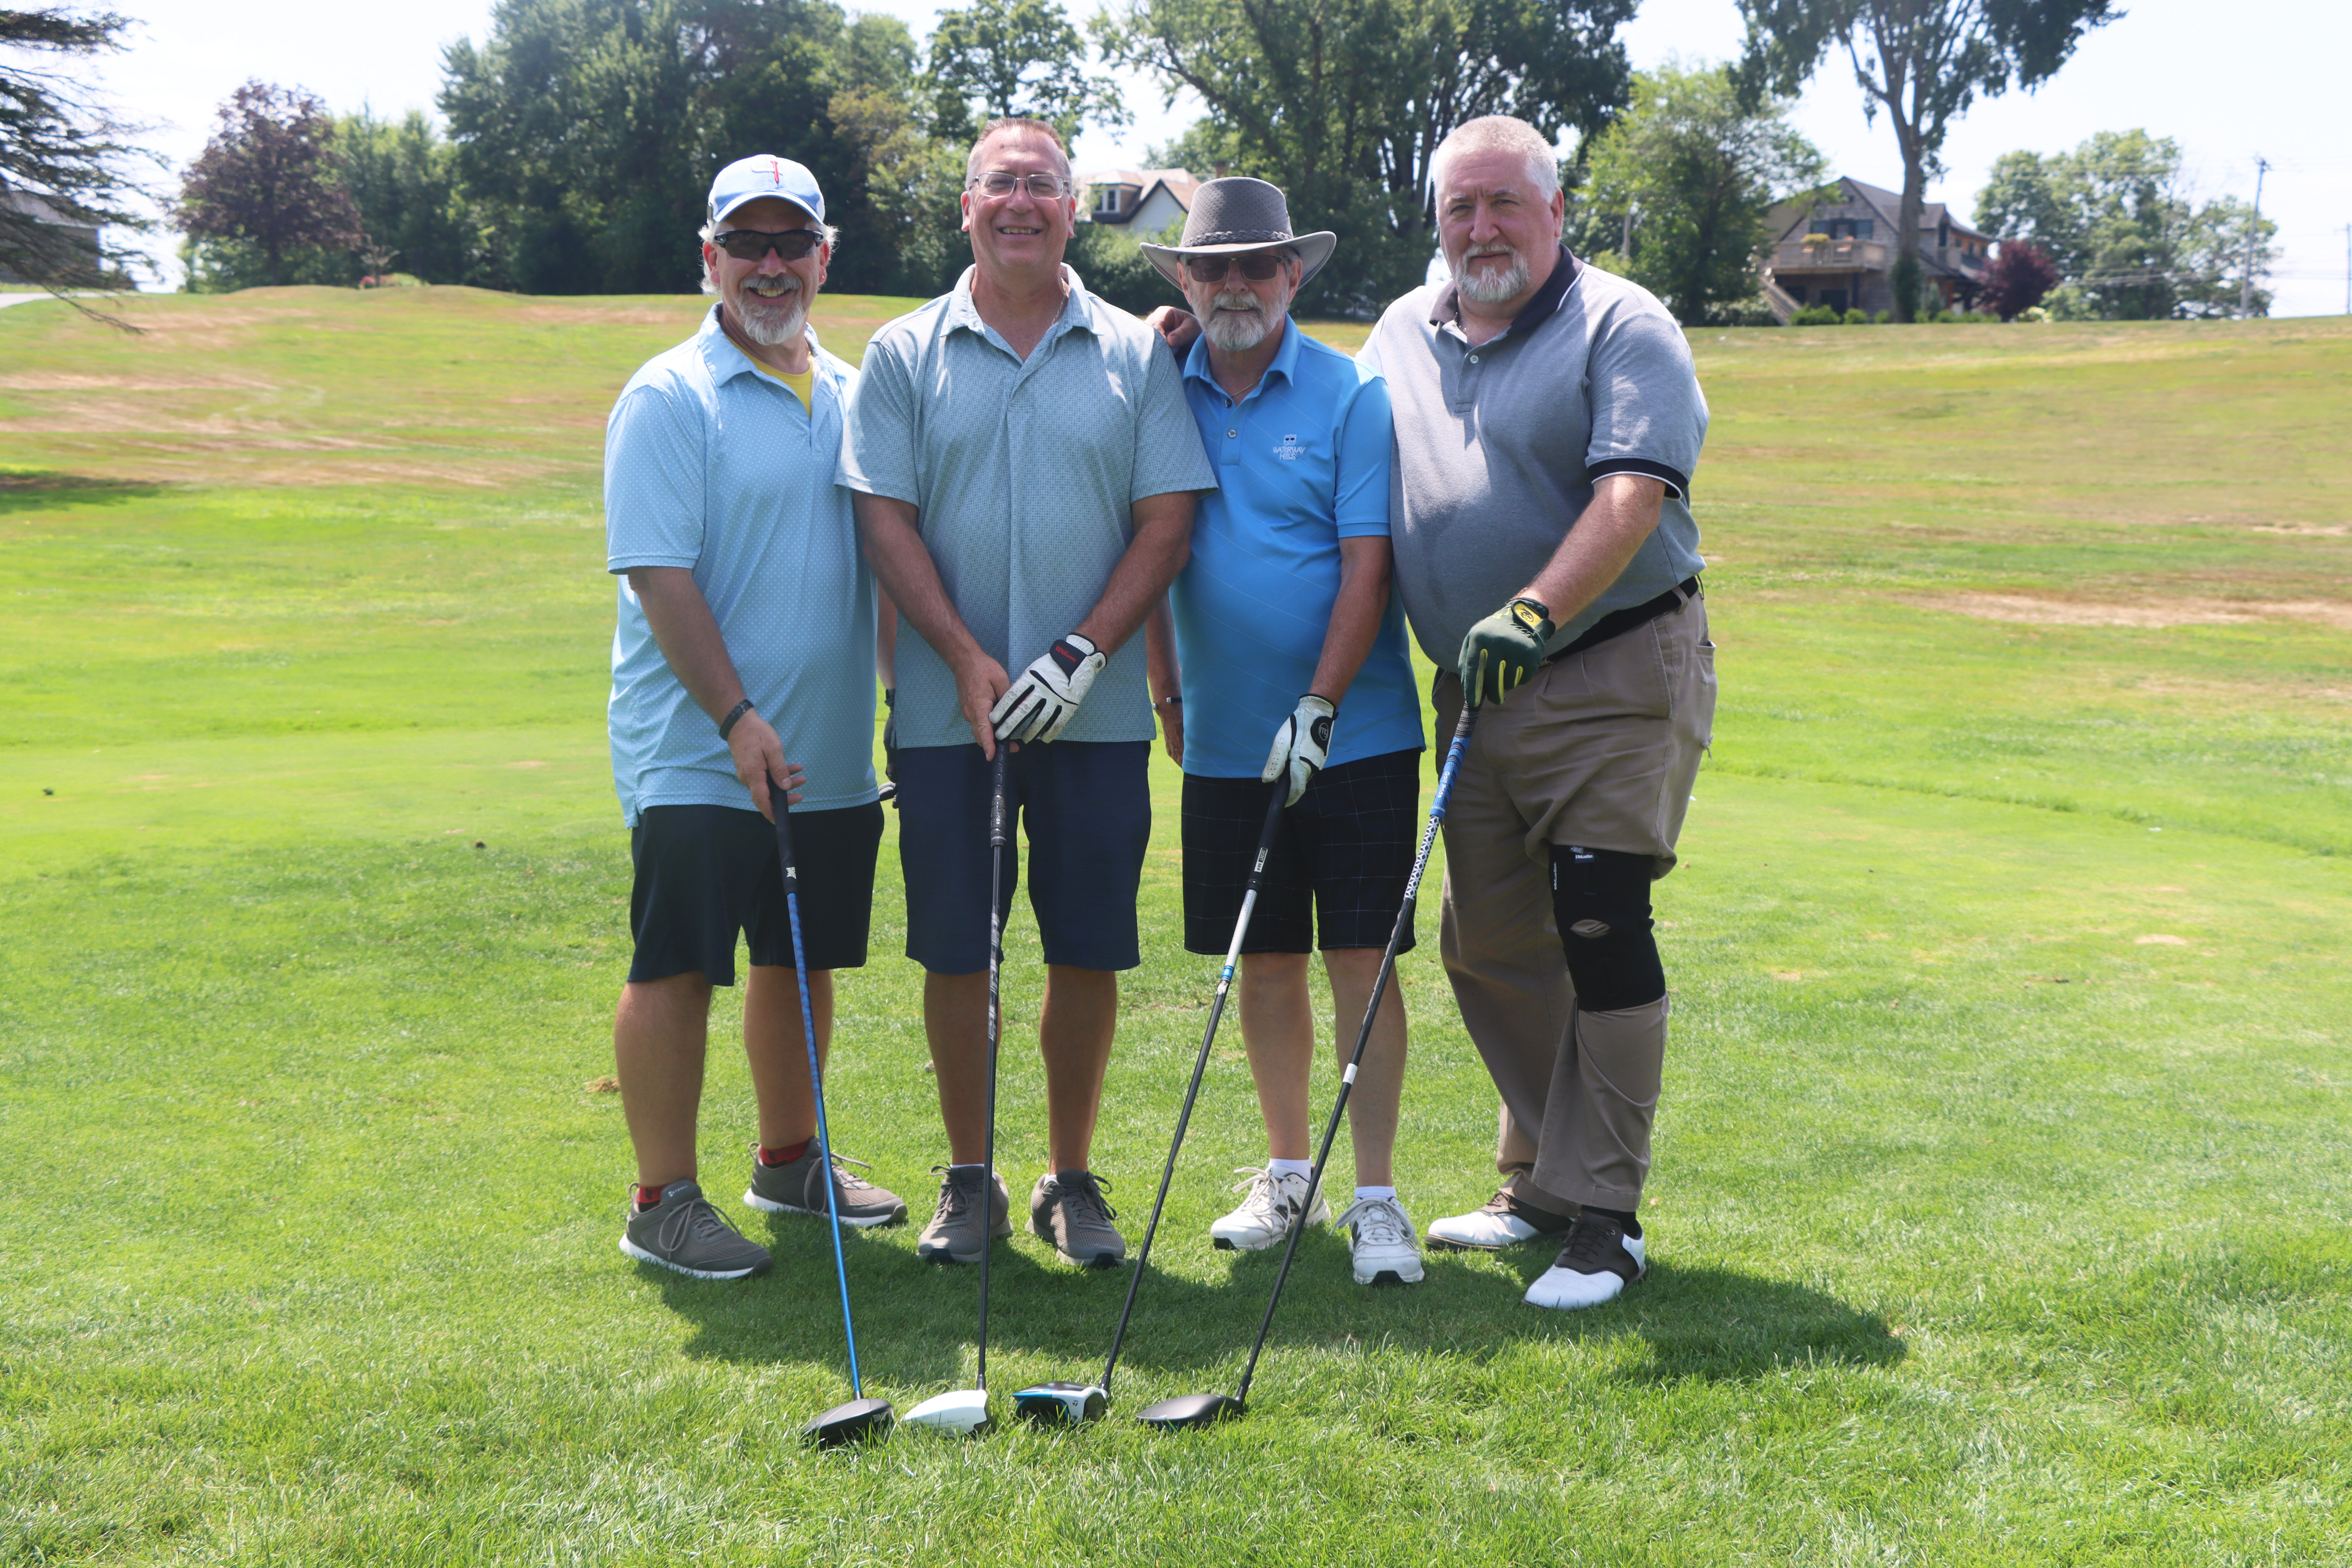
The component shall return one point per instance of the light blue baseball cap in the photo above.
(749, 179)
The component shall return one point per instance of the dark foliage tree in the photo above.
(1688, 174)
(67, 163)
(1015, 56)
(270, 178)
(1920, 62)
(1343, 102)
(401, 176)
(2019, 278)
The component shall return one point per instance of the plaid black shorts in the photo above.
(1339, 865)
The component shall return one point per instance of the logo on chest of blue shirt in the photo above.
(1290, 451)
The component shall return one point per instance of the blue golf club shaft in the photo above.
(1208, 1037)
(816, 1071)
(1371, 1010)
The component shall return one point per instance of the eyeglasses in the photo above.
(753, 245)
(1257, 267)
(998, 183)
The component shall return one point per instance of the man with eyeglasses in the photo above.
(745, 653)
(1287, 666)
(1025, 473)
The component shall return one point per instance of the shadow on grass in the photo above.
(916, 1321)
(42, 489)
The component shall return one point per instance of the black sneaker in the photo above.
(1069, 1209)
(1504, 1221)
(1595, 1265)
(684, 1233)
(794, 1188)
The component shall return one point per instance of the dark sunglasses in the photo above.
(1257, 267)
(752, 243)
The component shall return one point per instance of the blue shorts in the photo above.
(1085, 807)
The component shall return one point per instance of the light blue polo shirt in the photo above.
(1302, 463)
(711, 465)
(1023, 472)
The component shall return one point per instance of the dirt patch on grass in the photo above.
(2053, 610)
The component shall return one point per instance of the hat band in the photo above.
(1241, 237)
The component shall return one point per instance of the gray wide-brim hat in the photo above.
(1233, 216)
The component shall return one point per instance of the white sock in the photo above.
(1375, 1192)
(1290, 1167)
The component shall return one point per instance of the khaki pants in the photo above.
(1598, 750)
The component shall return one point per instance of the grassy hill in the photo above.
(1999, 1207)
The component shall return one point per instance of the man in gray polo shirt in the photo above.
(1547, 420)
(1025, 467)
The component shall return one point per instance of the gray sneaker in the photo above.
(954, 1234)
(684, 1233)
(793, 1188)
(1067, 1208)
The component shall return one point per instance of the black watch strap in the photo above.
(728, 723)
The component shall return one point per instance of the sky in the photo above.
(2262, 79)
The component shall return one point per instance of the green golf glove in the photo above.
(1503, 651)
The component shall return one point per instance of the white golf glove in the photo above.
(1301, 744)
(1038, 705)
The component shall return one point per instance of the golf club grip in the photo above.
(1199, 1064)
(1364, 1034)
(816, 1072)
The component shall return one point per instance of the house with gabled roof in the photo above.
(1142, 201)
(42, 235)
(1840, 251)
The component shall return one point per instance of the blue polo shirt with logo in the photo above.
(1302, 463)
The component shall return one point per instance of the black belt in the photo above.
(1617, 623)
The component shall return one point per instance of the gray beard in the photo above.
(769, 321)
(1236, 334)
(1492, 289)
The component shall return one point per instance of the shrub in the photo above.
(1815, 316)
(1857, 318)
(1881, 319)
(2019, 277)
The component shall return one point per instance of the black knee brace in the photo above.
(1602, 900)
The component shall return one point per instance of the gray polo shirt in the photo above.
(1023, 472)
(1498, 445)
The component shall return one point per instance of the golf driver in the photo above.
(1077, 1402)
(965, 1410)
(861, 1417)
(1201, 1409)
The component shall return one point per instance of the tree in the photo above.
(270, 178)
(2117, 219)
(2019, 276)
(1015, 56)
(1922, 63)
(401, 176)
(66, 161)
(1343, 102)
(1700, 170)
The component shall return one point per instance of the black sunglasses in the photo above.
(1257, 267)
(752, 243)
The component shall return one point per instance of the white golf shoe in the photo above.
(1503, 1221)
(1595, 1265)
(1265, 1215)
(1382, 1242)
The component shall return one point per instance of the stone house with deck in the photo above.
(1841, 251)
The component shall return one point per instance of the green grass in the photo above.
(1987, 1229)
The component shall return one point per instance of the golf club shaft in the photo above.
(1372, 1011)
(816, 1071)
(998, 836)
(1199, 1064)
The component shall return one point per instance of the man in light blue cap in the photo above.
(745, 652)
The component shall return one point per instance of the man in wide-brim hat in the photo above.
(1283, 631)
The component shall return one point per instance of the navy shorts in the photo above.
(1340, 862)
(705, 873)
(1086, 808)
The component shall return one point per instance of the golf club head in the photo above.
(1071, 1404)
(855, 1421)
(1187, 1410)
(963, 1411)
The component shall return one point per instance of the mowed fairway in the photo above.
(2000, 1211)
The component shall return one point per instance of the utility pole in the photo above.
(2253, 230)
(2348, 268)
